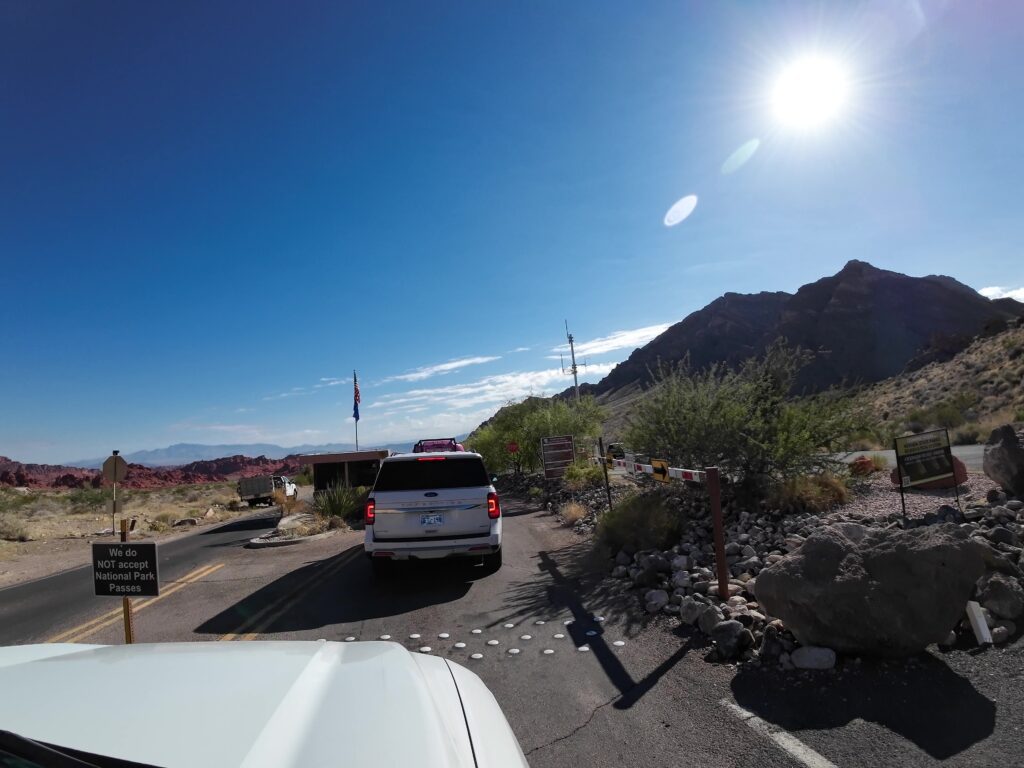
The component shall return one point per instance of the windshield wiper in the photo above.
(48, 756)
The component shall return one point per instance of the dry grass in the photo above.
(571, 513)
(48, 514)
(813, 493)
(976, 391)
(11, 529)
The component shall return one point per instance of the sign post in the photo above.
(604, 466)
(722, 569)
(115, 469)
(124, 570)
(557, 453)
(923, 458)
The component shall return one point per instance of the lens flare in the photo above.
(680, 211)
(740, 157)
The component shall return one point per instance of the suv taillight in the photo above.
(493, 506)
(370, 512)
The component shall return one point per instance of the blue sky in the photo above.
(209, 216)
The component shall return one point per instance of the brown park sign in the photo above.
(923, 458)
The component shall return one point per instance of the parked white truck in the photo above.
(260, 489)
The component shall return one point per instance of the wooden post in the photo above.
(604, 466)
(722, 569)
(126, 602)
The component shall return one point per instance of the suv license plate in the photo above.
(436, 519)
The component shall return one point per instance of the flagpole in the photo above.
(355, 388)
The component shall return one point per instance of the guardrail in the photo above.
(660, 471)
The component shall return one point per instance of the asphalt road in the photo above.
(971, 455)
(30, 611)
(641, 694)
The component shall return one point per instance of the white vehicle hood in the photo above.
(251, 704)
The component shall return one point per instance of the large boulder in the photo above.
(1004, 459)
(1002, 595)
(885, 592)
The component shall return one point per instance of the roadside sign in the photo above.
(659, 469)
(125, 569)
(512, 447)
(557, 453)
(924, 457)
(115, 468)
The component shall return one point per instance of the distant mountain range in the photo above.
(180, 454)
(866, 324)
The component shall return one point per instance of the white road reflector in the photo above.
(539, 622)
(583, 648)
(619, 643)
(349, 639)
(477, 656)
(460, 645)
(787, 741)
(476, 631)
(414, 636)
(513, 651)
(492, 642)
(426, 649)
(385, 637)
(509, 626)
(559, 636)
(444, 635)
(548, 651)
(526, 637)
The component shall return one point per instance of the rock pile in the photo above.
(981, 547)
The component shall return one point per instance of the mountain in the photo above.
(180, 454)
(865, 323)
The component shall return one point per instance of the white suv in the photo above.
(433, 505)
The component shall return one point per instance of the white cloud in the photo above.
(441, 368)
(330, 381)
(521, 349)
(295, 391)
(491, 390)
(998, 292)
(618, 340)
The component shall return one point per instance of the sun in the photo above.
(810, 93)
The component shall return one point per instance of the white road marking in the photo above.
(583, 648)
(539, 622)
(444, 635)
(619, 643)
(349, 639)
(385, 637)
(426, 649)
(559, 636)
(509, 626)
(476, 631)
(513, 651)
(477, 656)
(526, 637)
(548, 651)
(492, 642)
(414, 636)
(460, 645)
(787, 741)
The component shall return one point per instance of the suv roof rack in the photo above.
(437, 444)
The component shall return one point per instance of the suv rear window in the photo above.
(420, 474)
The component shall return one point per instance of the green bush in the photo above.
(581, 476)
(811, 493)
(525, 423)
(535, 493)
(340, 501)
(743, 421)
(305, 477)
(89, 498)
(640, 521)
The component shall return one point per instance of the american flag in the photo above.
(355, 396)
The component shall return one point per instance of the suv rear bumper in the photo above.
(430, 549)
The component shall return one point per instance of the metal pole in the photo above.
(126, 602)
(722, 569)
(572, 353)
(113, 507)
(604, 465)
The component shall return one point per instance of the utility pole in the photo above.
(573, 369)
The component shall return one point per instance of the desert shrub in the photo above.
(535, 493)
(642, 522)
(157, 526)
(305, 477)
(743, 421)
(1019, 415)
(11, 529)
(581, 476)
(164, 517)
(811, 493)
(11, 501)
(234, 505)
(340, 501)
(571, 513)
(968, 435)
(90, 498)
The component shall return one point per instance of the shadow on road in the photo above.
(577, 583)
(925, 702)
(268, 520)
(348, 592)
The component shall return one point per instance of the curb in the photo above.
(264, 543)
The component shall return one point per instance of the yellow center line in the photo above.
(79, 633)
(267, 615)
